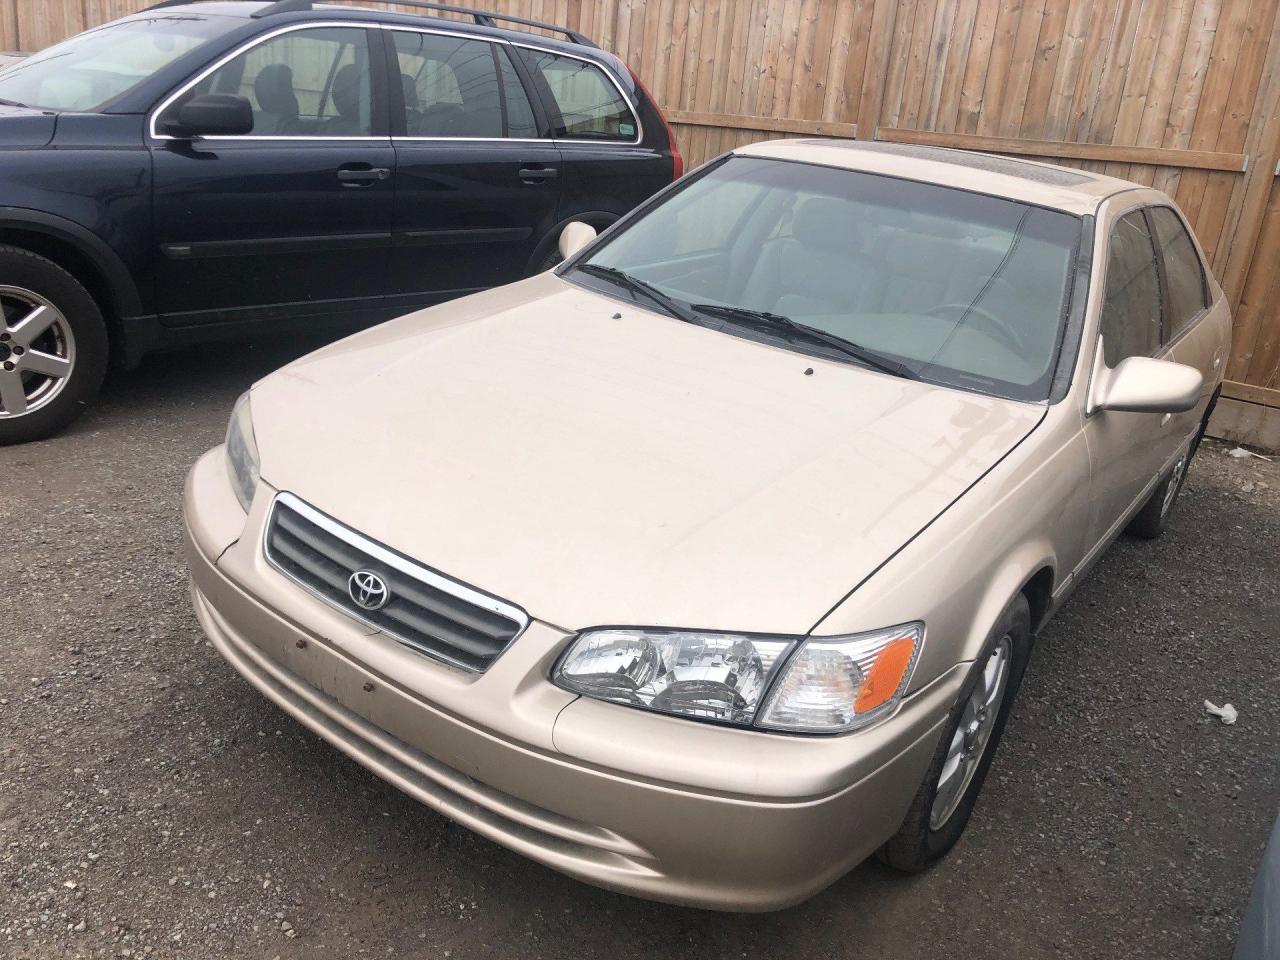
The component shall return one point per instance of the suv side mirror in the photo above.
(212, 115)
(1144, 385)
(574, 237)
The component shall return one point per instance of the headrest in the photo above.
(410, 89)
(346, 89)
(273, 88)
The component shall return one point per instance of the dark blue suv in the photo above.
(202, 169)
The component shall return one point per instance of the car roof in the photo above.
(1043, 184)
(335, 9)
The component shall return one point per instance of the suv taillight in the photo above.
(677, 161)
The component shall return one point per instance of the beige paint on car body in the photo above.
(598, 463)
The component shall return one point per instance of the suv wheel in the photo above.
(944, 802)
(53, 346)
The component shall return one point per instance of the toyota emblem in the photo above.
(368, 590)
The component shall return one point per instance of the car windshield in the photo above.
(91, 69)
(938, 283)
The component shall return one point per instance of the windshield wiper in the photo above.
(779, 323)
(12, 103)
(636, 285)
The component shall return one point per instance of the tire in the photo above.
(937, 817)
(1153, 519)
(53, 347)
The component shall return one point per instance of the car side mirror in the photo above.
(1145, 385)
(212, 115)
(574, 237)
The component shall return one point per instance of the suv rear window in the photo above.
(589, 104)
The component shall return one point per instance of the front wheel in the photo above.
(943, 804)
(53, 347)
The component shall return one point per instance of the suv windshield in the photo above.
(947, 285)
(91, 69)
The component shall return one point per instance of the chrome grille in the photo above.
(427, 611)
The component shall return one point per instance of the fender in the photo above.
(1015, 572)
(552, 236)
(124, 293)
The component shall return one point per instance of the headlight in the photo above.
(242, 452)
(825, 685)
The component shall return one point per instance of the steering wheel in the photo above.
(1004, 331)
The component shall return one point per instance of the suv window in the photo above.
(312, 83)
(460, 88)
(1184, 275)
(590, 106)
(1131, 304)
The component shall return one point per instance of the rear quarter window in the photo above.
(589, 104)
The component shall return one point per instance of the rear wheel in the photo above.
(53, 347)
(1153, 519)
(942, 806)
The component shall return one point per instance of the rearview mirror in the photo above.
(212, 115)
(1144, 385)
(574, 237)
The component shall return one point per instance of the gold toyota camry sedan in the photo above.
(708, 564)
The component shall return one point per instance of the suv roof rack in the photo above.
(484, 18)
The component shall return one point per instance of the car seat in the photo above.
(277, 103)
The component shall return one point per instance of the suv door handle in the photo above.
(538, 174)
(362, 175)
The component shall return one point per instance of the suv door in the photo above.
(476, 188)
(293, 219)
(612, 163)
(1128, 451)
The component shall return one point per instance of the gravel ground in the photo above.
(153, 805)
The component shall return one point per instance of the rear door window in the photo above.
(459, 88)
(588, 103)
(1131, 304)
(1185, 293)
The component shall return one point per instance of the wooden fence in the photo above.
(1181, 94)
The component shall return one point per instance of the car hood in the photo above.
(597, 463)
(25, 126)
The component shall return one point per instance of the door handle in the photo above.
(361, 176)
(538, 174)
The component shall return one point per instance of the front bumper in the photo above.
(654, 806)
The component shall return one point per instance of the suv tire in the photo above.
(53, 347)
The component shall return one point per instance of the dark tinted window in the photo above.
(1131, 307)
(460, 88)
(1184, 276)
(590, 106)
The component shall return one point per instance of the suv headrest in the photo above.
(273, 88)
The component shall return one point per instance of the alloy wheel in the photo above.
(37, 352)
(977, 723)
